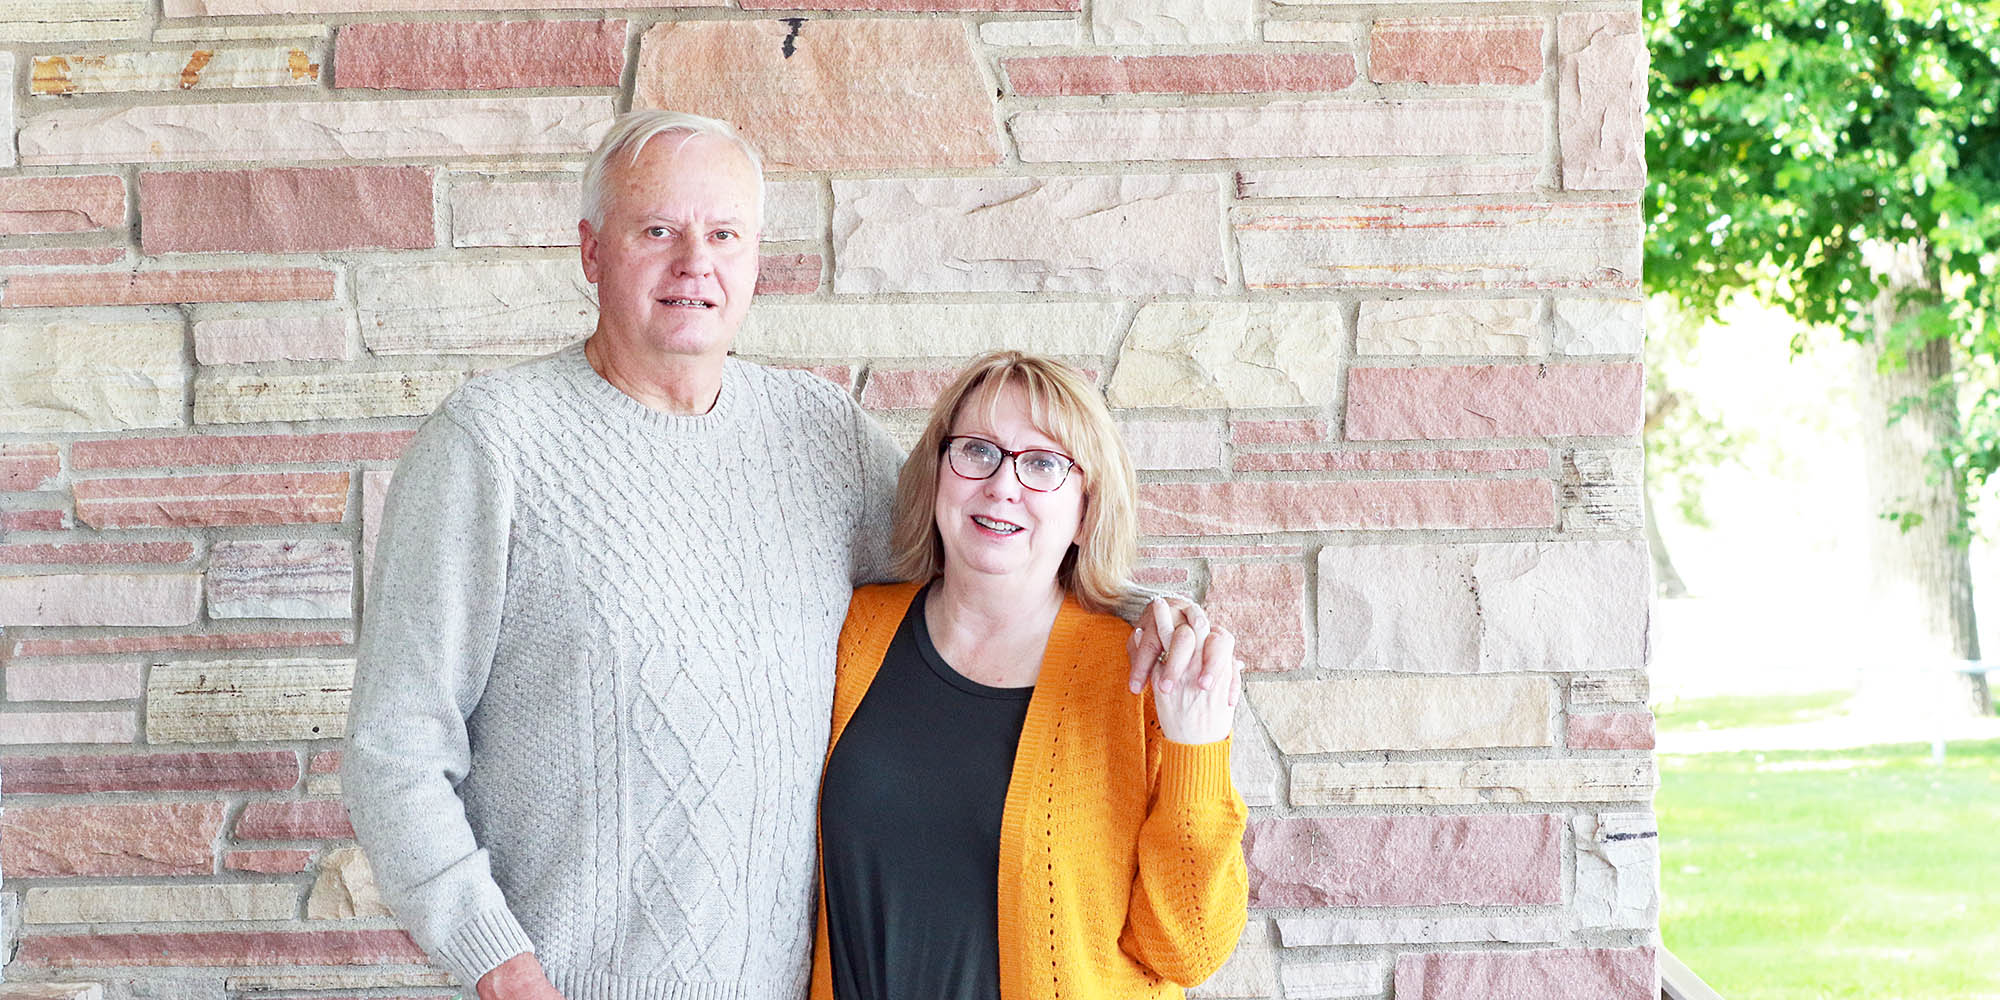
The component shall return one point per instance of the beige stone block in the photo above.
(1435, 246)
(1006, 34)
(345, 888)
(1592, 779)
(516, 307)
(1607, 688)
(317, 130)
(1343, 33)
(323, 784)
(1317, 932)
(1499, 327)
(1231, 354)
(72, 374)
(161, 903)
(1126, 235)
(830, 93)
(1484, 127)
(927, 330)
(1600, 326)
(1617, 870)
(222, 702)
(69, 21)
(48, 991)
(176, 70)
(1173, 444)
(242, 32)
(1601, 97)
(1406, 713)
(1172, 22)
(7, 129)
(1251, 972)
(1378, 180)
(329, 980)
(1254, 769)
(100, 599)
(1334, 980)
(235, 399)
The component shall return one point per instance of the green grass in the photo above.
(1737, 711)
(1862, 873)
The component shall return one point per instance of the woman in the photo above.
(983, 727)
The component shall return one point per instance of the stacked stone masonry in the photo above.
(1358, 279)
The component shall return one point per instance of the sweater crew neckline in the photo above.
(617, 405)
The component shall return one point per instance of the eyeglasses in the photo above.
(1037, 469)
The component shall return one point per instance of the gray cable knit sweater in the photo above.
(595, 671)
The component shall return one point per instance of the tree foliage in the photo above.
(1788, 136)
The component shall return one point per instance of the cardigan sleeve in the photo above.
(1190, 896)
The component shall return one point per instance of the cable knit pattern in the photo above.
(1121, 858)
(590, 710)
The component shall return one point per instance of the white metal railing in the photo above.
(1678, 982)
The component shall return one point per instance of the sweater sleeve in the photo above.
(426, 647)
(1190, 897)
(881, 462)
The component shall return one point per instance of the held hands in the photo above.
(518, 978)
(1196, 677)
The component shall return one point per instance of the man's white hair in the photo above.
(628, 137)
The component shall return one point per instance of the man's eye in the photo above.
(657, 231)
(726, 235)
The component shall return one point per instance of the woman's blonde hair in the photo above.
(1065, 406)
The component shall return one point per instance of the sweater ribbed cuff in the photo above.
(1195, 772)
(479, 944)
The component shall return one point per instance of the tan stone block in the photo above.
(222, 702)
(1617, 870)
(1607, 688)
(1602, 100)
(1231, 354)
(1379, 180)
(48, 991)
(161, 903)
(1172, 22)
(1173, 444)
(927, 329)
(68, 21)
(1251, 972)
(1406, 713)
(830, 94)
(8, 157)
(1126, 235)
(1500, 327)
(243, 32)
(235, 399)
(1444, 246)
(317, 130)
(345, 888)
(1342, 33)
(335, 980)
(190, 68)
(71, 374)
(1484, 127)
(1594, 779)
(1008, 34)
(519, 307)
(242, 340)
(1600, 326)
(1334, 980)
(300, 8)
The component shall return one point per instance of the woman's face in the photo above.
(996, 526)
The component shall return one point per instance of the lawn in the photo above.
(1842, 873)
(1738, 711)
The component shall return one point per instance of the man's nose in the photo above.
(693, 256)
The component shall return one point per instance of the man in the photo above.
(597, 658)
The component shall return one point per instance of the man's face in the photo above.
(675, 262)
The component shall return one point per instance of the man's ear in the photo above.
(587, 246)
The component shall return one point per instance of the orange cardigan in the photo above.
(1121, 858)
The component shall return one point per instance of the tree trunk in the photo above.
(1921, 574)
(1667, 580)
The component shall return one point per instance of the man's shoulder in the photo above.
(519, 394)
(794, 393)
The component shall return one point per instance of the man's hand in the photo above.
(1171, 633)
(518, 978)
(1189, 713)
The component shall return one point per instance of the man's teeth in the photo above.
(686, 302)
(992, 525)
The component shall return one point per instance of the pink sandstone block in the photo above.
(264, 771)
(1276, 431)
(314, 820)
(178, 643)
(62, 256)
(274, 338)
(1227, 73)
(154, 839)
(905, 389)
(480, 55)
(325, 762)
(1498, 460)
(190, 450)
(97, 553)
(1611, 731)
(25, 467)
(1476, 401)
(918, 6)
(1256, 507)
(1551, 974)
(33, 205)
(1410, 860)
(1173, 578)
(788, 273)
(286, 209)
(1220, 551)
(32, 520)
(138, 288)
(247, 498)
(29, 728)
(1450, 50)
(78, 680)
(279, 862)
(1601, 101)
(100, 599)
(1263, 604)
(244, 948)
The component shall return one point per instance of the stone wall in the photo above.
(1359, 278)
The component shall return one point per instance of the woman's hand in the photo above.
(1188, 712)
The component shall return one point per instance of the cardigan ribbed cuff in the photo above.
(488, 939)
(1195, 772)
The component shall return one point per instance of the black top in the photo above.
(910, 828)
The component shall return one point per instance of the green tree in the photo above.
(1842, 160)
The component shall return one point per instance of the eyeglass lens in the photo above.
(976, 458)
